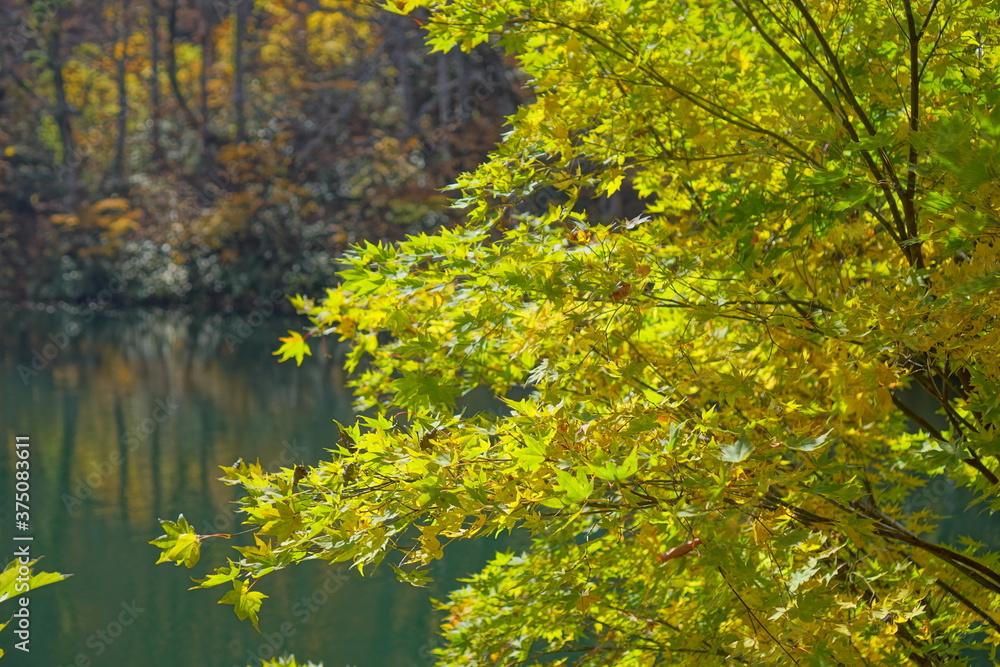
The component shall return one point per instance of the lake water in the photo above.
(129, 417)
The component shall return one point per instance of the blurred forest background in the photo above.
(209, 152)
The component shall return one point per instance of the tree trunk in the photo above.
(398, 37)
(154, 84)
(443, 92)
(70, 157)
(206, 64)
(239, 93)
(464, 103)
(497, 85)
(172, 66)
(118, 167)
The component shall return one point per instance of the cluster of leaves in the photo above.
(14, 583)
(287, 661)
(708, 428)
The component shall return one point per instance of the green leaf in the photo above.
(180, 544)
(11, 586)
(809, 444)
(246, 603)
(612, 472)
(14, 583)
(220, 576)
(736, 452)
(576, 489)
(419, 578)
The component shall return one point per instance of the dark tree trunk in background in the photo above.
(397, 36)
(206, 64)
(118, 167)
(63, 113)
(464, 103)
(497, 85)
(172, 66)
(154, 83)
(239, 93)
(443, 92)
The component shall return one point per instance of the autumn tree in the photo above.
(710, 430)
(224, 132)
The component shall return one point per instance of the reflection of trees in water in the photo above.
(153, 402)
(100, 401)
(132, 419)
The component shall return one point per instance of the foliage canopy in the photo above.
(715, 453)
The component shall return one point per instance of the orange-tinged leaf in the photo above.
(678, 551)
(294, 346)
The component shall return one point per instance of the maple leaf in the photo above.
(294, 346)
(181, 544)
(246, 603)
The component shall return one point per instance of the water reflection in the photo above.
(129, 417)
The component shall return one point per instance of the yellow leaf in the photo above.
(760, 532)
(294, 346)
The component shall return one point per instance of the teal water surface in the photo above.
(129, 417)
